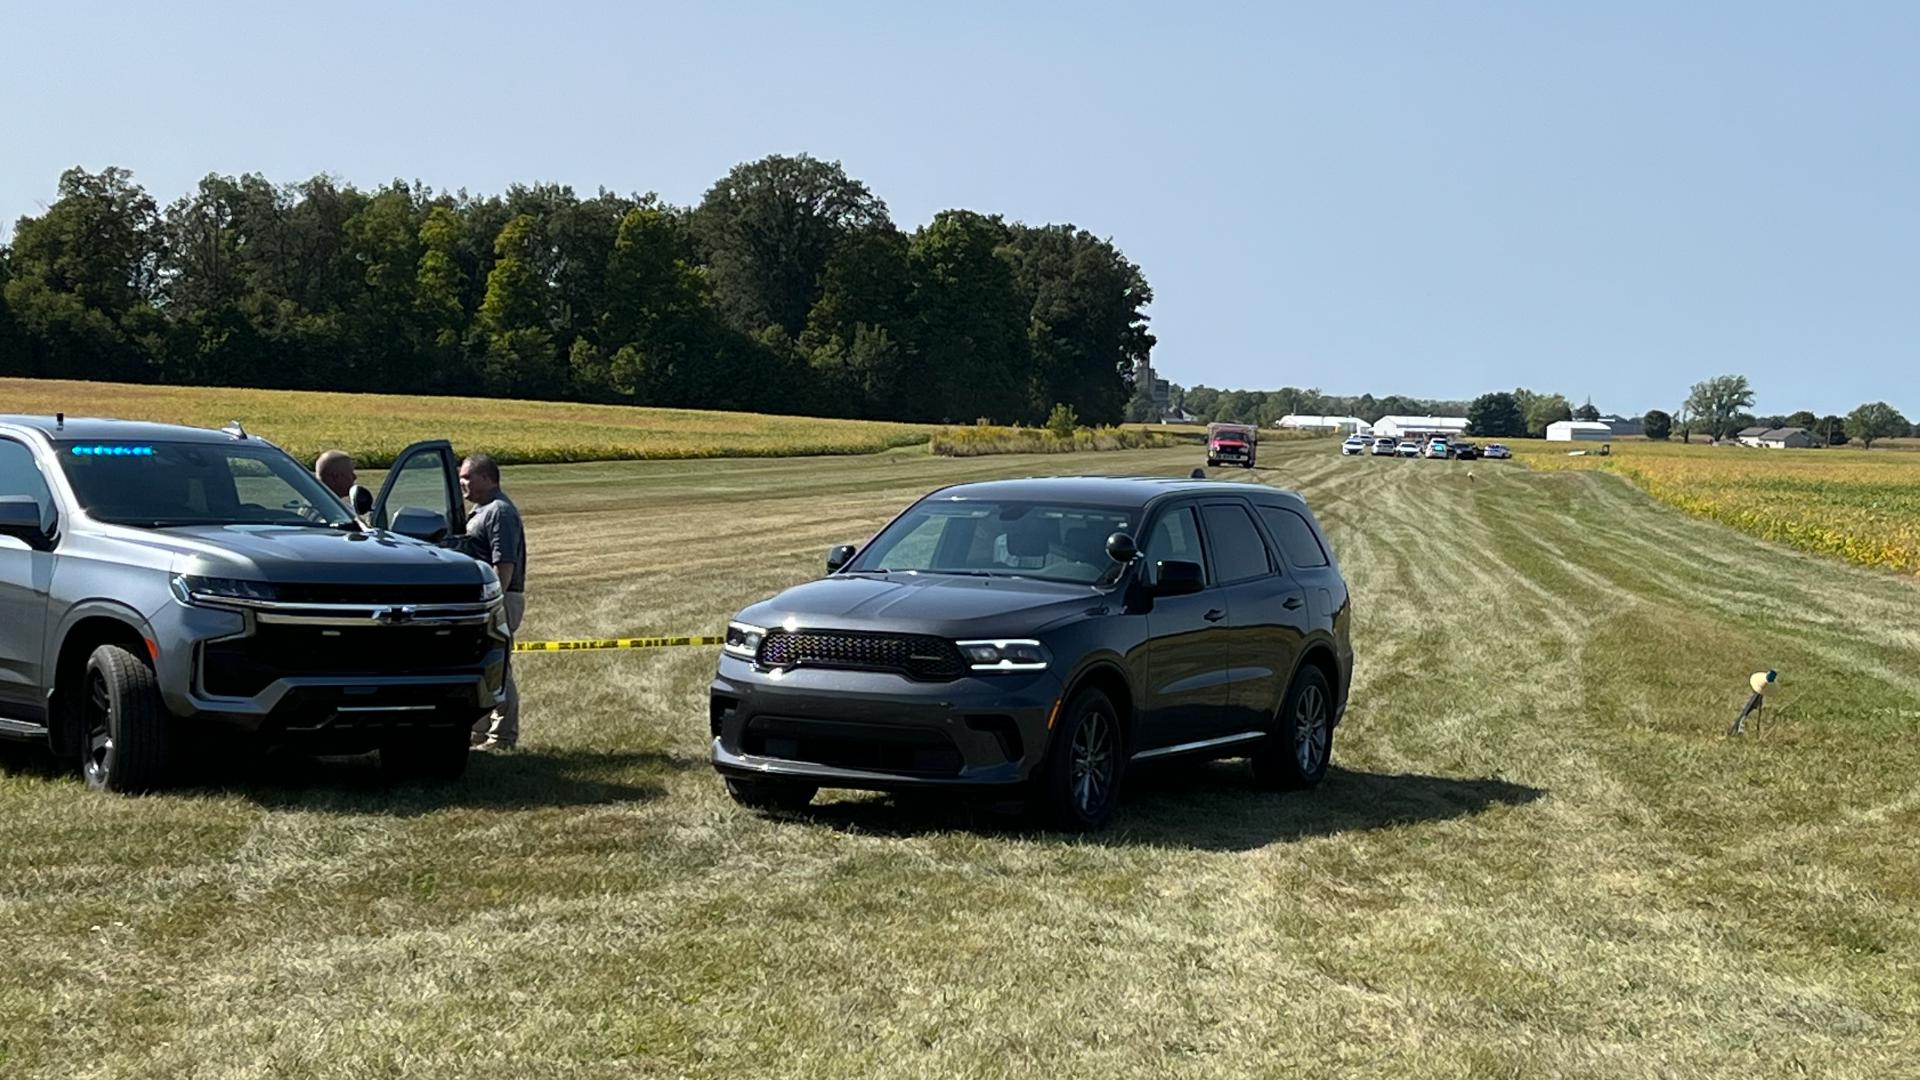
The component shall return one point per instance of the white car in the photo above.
(1437, 449)
(1409, 448)
(1385, 447)
(1355, 444)
(1495, 450)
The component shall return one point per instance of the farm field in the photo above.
(1537, 854)
(375, 427)
(1858, 505)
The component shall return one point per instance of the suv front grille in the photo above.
(242, 667)
(913, 655)
(387, 595)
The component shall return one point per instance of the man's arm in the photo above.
(506, 571)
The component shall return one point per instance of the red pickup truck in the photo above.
(1232, 444)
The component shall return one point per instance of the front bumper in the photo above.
(879, 731)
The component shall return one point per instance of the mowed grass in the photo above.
(376, 427)
(1859, 505)
(1538, 854)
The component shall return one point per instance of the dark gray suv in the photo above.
(1038, 637)
(160, 583)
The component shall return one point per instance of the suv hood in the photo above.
(290, 554)
(938, 604)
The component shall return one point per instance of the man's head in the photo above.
(479, 479)
(335, 470)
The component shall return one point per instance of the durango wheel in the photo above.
(1300, 746)
(1080, 781)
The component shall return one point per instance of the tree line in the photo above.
(787, 289)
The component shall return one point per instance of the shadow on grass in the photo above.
(522, 780)
(1214, 806)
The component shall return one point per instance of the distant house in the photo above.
(1578, 431)
(1787, 438)
(1624, 426)
(1340, 425)
(1178, 416)
(1419, 427)
(1750, 436)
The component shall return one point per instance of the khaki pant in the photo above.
(503, 724)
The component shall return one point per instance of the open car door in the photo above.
(425, 476)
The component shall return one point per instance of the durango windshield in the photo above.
(1048, 542)
(163, 484)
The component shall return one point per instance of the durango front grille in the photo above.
(242, 667)
(913, 655)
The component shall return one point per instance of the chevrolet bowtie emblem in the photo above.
(393, 616)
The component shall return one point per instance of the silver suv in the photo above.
(160, 584)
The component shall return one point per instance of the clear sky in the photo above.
(1434, 199)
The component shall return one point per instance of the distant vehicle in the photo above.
(1384, 447)
(1495, 451)
(1232, 444)
(1465, 451)
(1409, 448)
(1355, 444)
(1437, 450)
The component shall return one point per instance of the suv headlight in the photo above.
(490, 587)
(744, 640)
(1019, 655)
(193, 589)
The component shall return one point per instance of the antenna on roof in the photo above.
(59, 421)
(234, 429)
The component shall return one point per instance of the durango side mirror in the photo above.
(20, 519)
(425, 525)
(1121, 548)
(1177, 578)
(839, 556)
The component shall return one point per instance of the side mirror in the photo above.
(425, 525)
(839, 556)
(1176, 578)
(20, 519)
(361, 500)
(1121, 548)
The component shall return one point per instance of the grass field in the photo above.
(375, 427)
(1538, 854)
(1859, 505)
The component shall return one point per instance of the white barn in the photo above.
(1419, 427)
(1578, 431)
(1343, 425)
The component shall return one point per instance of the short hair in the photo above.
(331, 460)
(485, 466)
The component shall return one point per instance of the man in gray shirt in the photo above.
(496, 535)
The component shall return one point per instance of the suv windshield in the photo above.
(1050, 542)
(162, 484)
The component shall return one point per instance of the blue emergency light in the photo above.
(113, 451)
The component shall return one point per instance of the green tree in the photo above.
(658, 323)
(1875, 420)
(1496, 415)
(1140, 407)
(1656, 425)
(768, 229)
(85, 279)
(1802, 419)
(14, 359)
(855, 332)
(969, 324)
(1063, 421)
(1586, 411)
(517, 315)
(1546, 410)
(1086, 319)
(1716, 403)
(1832, 430)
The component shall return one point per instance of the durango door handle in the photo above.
(1216, 615)
(1292, 604)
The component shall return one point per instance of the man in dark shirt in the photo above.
(496, 535)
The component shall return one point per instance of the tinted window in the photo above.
(20, 476)
(1238, 551)
(1295, 537)
(1037, 540)
(1175, 538)
(159, 484)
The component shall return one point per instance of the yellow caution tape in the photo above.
(590, 644)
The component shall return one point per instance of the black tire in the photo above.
(1078, 786)
(1297, 751)
(126, 733)
(771, 794)
(436, 755)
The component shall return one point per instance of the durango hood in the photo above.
(938, 604)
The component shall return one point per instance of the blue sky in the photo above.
(1434, 199)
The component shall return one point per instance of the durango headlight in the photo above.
(194, 589)
(744, 640)
(1019, 655)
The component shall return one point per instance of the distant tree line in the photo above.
(787, 289)
(1264, 407)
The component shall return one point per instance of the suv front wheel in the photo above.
(1079, 784)
(127, 732)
